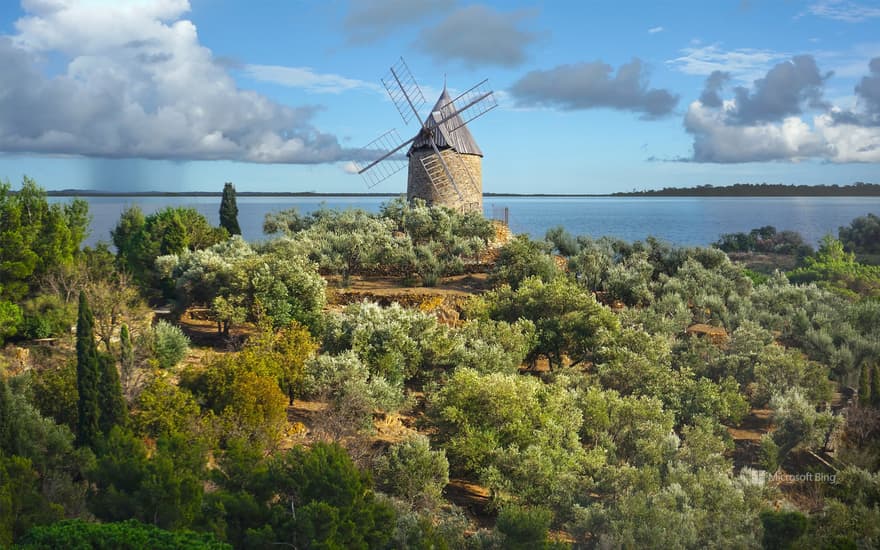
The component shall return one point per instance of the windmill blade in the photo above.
(457, 165)
(403, 90)
(439, 173)
(379, 161)
(473, 103)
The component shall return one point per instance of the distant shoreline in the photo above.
(858, 189)
(93, 193)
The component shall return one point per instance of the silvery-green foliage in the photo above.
(493, 346)
(423, 223)
(169, 344)
(778, 369)
(414, 472)
(590, 265)
(344, 376)
(239, 283)
(630, 280)
(394, 342)
(438, 528)
(626, 429)
(798, 423)
(516, 433)
(701, 508)
(714, 295)
(669, 314)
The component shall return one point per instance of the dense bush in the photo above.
(124, 535)
(862, 235)
(412, 471)
(163, 487)
(162, 408)
(516, 434)
(395, 343)
(836, 269)
(140, 239)
(36, 237)
(798, 424)
(569, 322)
(522, 258)
(764, 240)
(239, 283)
(244, 396)
(352, 390)
(169, 344)
(308, 498)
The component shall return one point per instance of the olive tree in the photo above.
(239, 283)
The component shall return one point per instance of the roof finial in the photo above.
(444, 82)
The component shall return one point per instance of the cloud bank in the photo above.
(764, 122)
(134, 82)
(594, 85)
(372, 20)
(478, 35)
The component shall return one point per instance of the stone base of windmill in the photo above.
(466, 171)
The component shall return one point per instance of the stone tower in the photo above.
(462, 155)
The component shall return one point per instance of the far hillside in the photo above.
(858, 189)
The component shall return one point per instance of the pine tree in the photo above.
(87, 375)
(229, 210)
(875, 386)
(865, 385)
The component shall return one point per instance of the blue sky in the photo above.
(594, 97)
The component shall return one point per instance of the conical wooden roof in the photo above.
(459, 139)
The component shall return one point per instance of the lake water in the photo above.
(678, 220)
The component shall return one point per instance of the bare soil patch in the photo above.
(747, 438)
(473, 499)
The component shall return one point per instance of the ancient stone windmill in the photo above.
(444, 160)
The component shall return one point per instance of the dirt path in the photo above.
(747, 438)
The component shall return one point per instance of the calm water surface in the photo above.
(678, 220)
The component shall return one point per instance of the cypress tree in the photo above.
(87, 375)
(126, 354)
(111, 402)
(875, 386)
(865, 385)
(229, 210)
(6, 428)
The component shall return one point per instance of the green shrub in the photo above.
(125, 535)
(524, 528)
(46, 316)
(522, 258)
(170, 344)
(412, 471)
(782, 529)
(768, 455)
(11, 321)
(862, 236)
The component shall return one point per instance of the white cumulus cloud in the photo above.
(766, 123)
(136, 82)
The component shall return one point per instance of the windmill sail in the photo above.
(379, 161)
(403, 90)
(473, 103)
